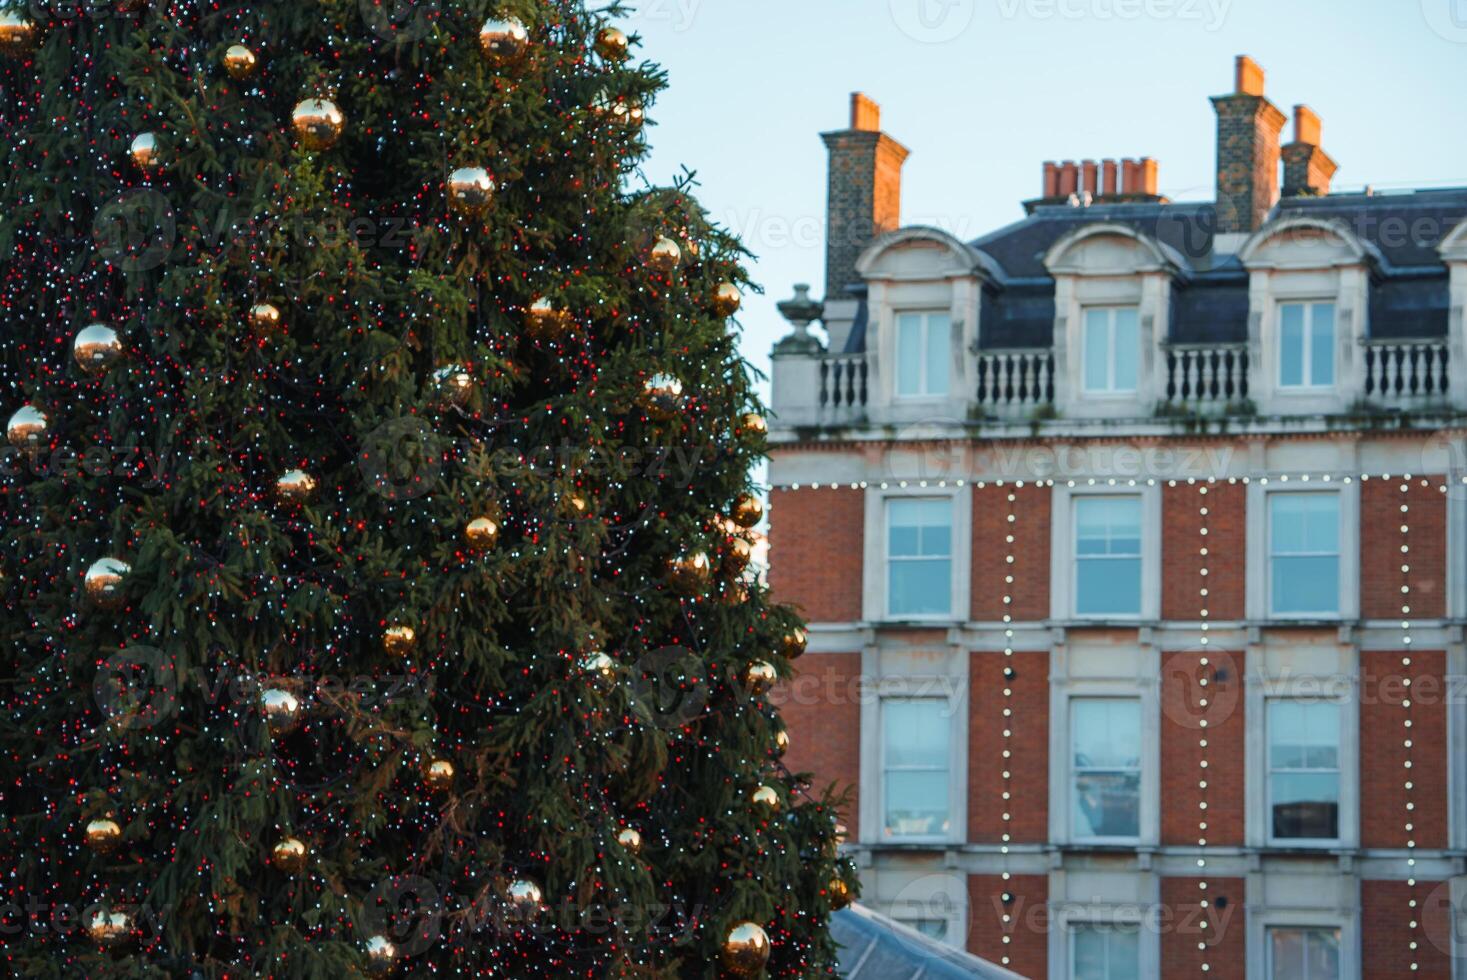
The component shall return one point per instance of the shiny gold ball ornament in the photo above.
(781, 742)
(109, 927)
(793, 642)
(622, 110)
(317, 123)
(289, 856)
(690, 573)
(470, 190)
(265, 317)
(454, 383)
(747, 511)
(104, 581)
(146, 152)
(752, 424)
(524, 897)
(18, 33)
(663, 395)
(766, 796)
(613, 44)
(296, 487)
(96, 347)
(240, 62)
(399, 640)
(27, 427)
(482, 533)
(599, 666)
(736, 555)
(103, 835)
(546, 321)
(665, 256)
(745, 949)
(282, 709)
(381, 955)
(839, 892)
(438, 775)
(759, 677)
(630, 839)
(503, 41)
(727, 299)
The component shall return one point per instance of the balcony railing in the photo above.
(1406, 373)
(843, 387)
(1015, 382)
(1205, 377)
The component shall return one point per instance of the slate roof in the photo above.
(1409, 291)
(874, 947)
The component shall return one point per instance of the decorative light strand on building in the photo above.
(1011, 518)
(1089, 481)
(1414, 905)
(1203, 596)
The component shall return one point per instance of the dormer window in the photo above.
(1306, 345)
(923, 353)
(1112, 350)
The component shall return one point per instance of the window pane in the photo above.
(916, 803)
(1106, 732)
(920, 587)
(1108, 587)
(909, 354)
(1322, 344)
(916, 733)
(1108, 525)
(1305, 585)
(1303, 758)
(1304, 535)
(939, 338)
(1305, 805)
(936, 540)
(1089, 954)
(1097, 350)
(915, 746)
(1127, 349)
(1106, 953)
(1107, 805)
(1291, 344)
(1304, 954)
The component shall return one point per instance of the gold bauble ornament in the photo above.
(663, 395)
(839, 892)
(482, 533)
(613, 44)
(766, 796)
(265, 317)
(103, 835)
(18, 33)
(620, 109)
(546, 321)
(27, 427)
(503, 41)
(759, 677)
(524, 897)
(240, 62)
(601, 667)
(793, 642)
(470, 190)
(745, 949)
(748, 510)
(665, 256)
(146, 151)
(690, 574)
(574, 505)
(381, 955)
(753, 424)
(109, 927)
(96, 347)
(296, 486)
(454, 383)
(781, 742)
(282, 710)
(727, 299)
(438, 775)
(737, 555)
(289, 856)
(631, 839)
(317, 123)
(399, 640)
(104, 581)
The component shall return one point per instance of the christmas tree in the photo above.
(377, 511)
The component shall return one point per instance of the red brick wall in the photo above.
(1030, 589)
(1382, 754)
(1181, 544)
(815, 551)
(1385, 932)
(1380, 547)
(1027, 928)
(1182, 715)
(1029, 807)
(1182, 926)
(821, 707)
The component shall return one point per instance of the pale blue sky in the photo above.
(983, 91)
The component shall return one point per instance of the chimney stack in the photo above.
(1248, 127)
(1308, 170)
(864, 193)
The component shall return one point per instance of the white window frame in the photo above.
(875, 593)
(943, 706)
(1110, 390)
(924, 392)
(1277, 927)
(1076, 559)
(1074, 773)
(1073, 927)
(1338, 554)
(1260, 919)
(1342, 705)
(1067, 915)
(1063, 568)
(1258, 582)
(1308, 387)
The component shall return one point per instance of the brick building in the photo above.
(1132, 536)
